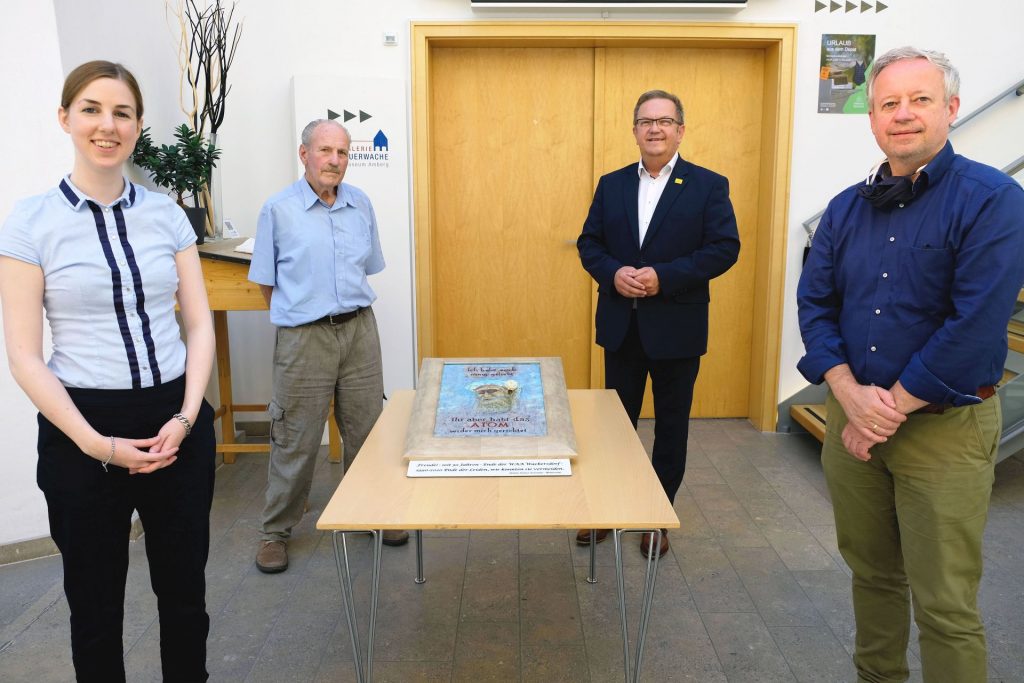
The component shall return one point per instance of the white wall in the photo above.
(321, 37)
(35, 155)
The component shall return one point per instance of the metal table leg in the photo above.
(592, 577)
(349, 603)
(647, 599)
(419, 557)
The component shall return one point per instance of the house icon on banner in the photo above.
(380, 142)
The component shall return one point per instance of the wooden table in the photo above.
(226, 274)
(613, 486)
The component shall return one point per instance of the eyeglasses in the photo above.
(662, 123)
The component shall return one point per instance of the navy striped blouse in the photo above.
(110, 282)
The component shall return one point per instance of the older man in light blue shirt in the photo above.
(316, 243)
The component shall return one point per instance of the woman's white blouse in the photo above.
(110, 282)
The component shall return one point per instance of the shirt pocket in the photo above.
(925, 280)
(359, 240)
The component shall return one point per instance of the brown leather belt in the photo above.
(336, 319)
(939, 408)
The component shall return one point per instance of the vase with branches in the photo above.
(209, 37)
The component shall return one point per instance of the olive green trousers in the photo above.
(909, 523)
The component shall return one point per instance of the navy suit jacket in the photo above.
(691, 239)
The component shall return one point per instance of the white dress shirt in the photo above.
(650, 192)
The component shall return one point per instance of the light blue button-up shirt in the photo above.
(316, 257)
(109, 282)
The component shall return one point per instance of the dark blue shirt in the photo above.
(919, 293)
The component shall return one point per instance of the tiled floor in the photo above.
(753, 590)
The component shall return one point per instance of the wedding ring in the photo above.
(874, 427)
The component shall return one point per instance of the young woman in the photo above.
(122, 421)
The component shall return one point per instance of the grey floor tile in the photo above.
(543, 542)
(710, 576)
(549, 609)
(385, 671)
(491, 589)
(746, 649)
(829, 592)
(807, 501)
(794, 542)
(487, 651)
(825, 534)
(692, 523)
(814, 655)
(779, 599)
(723, 511)
(25, 584)
(546, 663)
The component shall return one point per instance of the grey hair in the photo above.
(950, 76)
(660, 95)
(307, 132)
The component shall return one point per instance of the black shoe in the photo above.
(395, 537)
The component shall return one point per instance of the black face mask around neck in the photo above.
(886, 192)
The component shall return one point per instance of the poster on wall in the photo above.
(846, 61)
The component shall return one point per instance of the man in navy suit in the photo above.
(656, 234)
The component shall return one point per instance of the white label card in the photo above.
(552, 467)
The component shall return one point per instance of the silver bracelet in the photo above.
(109, 457)
(185, 422)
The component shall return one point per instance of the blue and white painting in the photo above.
(490, 399)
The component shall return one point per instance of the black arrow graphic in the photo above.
(349, 116)
(331, 115)
(363, 116)
(834, 6)
(818, 5)
(880, 6)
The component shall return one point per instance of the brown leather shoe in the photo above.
(272, 557)
(645, 544)
(395, 537)
(583, 536)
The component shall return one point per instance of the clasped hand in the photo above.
(144, 456)
(635, 283)
(872, 418)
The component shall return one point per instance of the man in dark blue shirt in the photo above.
(903, 305)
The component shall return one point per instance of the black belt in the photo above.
(337, 318)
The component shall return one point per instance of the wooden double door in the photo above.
(518, 139)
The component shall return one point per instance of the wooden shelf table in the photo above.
(612, 486)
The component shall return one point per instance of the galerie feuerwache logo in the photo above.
(363, 152)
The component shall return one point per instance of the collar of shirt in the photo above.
(930, 172)
(642, 172)
(310, 198)
(76, 199)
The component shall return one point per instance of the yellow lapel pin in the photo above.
(679, 181)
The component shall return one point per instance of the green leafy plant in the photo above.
(184, 167)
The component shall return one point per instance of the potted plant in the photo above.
(184, 168)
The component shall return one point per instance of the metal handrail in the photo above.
(1015, 167)
(1015, 89)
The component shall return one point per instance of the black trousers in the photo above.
(90, 514)
(672, 379)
